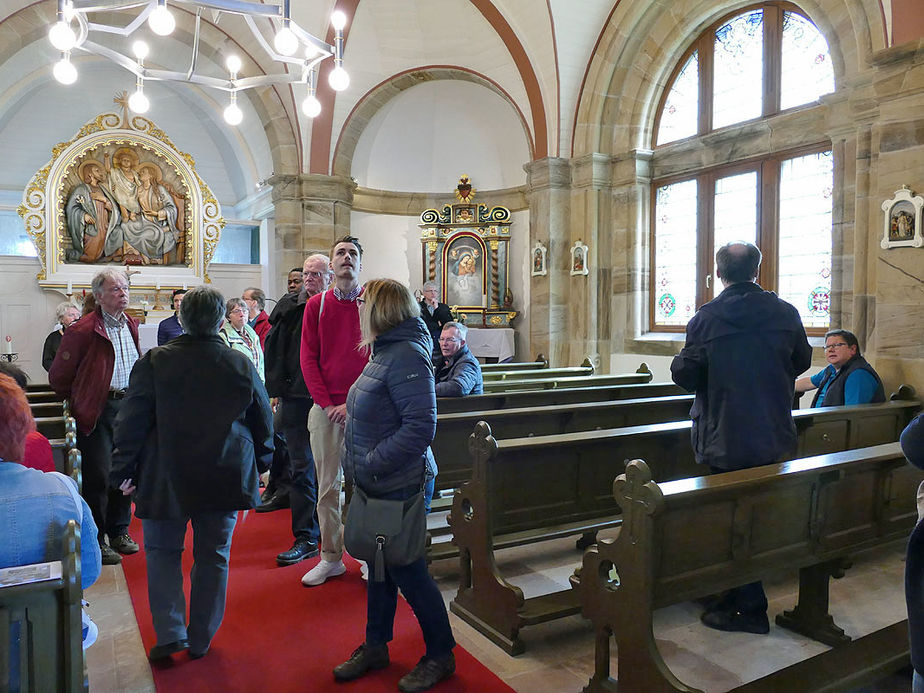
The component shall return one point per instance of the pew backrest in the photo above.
(540, 362)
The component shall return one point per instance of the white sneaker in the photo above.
(323, 570)
(364, 570)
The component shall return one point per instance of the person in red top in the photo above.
(91, 370)
(255, 300)
(37, 453)
(331, 362)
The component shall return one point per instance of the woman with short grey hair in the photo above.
(66, 313)
(240, 336)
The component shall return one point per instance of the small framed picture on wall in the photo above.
(539, 255)
(579, 258)
(902, 220)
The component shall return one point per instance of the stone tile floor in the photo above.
(559, 655)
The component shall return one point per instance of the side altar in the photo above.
(466, 251)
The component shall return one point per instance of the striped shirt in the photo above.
(126, 353)
(354, 293)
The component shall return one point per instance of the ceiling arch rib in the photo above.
(375, 98)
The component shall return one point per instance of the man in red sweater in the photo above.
(331, 363)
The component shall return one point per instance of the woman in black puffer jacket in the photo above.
(391, 421)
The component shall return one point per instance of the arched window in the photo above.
(726, 166)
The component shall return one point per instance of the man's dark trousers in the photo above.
(112, 511)
(303, 489)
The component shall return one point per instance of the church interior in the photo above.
(622, 141)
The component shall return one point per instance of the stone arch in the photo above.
(643, 41)
(378, 96)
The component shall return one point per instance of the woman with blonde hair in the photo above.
(391, 421)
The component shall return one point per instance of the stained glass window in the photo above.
(681, 110)
(735, 209)
(675, 253)
(738, 70)
(805, 254)
(807, 72)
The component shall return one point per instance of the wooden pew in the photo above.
(546, 373)
(450, 446)
(46, 395)
(525, 490)
(52, 426)
(690, 538)
(45, 613)
(566, 382)
(541, 398)
(540, 362)
(47, 409)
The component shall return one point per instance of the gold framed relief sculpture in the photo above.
(120, 193)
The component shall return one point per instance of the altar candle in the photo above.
(8, 345)
(158, 286)
(184, 286)
(70, 289)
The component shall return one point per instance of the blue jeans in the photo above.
(421, 593)
(303, 485)
(163, 546)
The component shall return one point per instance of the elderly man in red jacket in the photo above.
(91, 371)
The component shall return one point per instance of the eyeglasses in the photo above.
(315, 275)
(448, 340)
(835, 345)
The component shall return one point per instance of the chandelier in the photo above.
(292, 46)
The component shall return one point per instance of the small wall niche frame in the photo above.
(902, 225)
(539, 257)
(579, 259)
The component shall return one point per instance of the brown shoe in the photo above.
(109, 556)
(124, 544)
(363, 660)
(427, 674)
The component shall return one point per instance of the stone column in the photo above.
(548, 193)
(311, 211)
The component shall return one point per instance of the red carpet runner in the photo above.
(278, 636)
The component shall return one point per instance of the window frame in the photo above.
(767, 164)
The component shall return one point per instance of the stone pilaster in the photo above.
(311, 211)
(548, 193)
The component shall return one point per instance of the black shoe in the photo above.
(301, 549)
(198, 655)
(738, 622)
(363, 659)
(124, 544)
(279, 501)
(109, 556)
(427, 674)
(163, 651)
(268, 492)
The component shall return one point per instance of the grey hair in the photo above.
(463, 330)
(257, 295)
(430, 285)
(62, 308)
(202, 310)
(100, 278)
(318, 256)
(233, 303)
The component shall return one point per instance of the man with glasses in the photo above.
(743, 352)
(331, 363)
(434, 314)
(458, 372)
(847, 379)
(295, 485)
(91, 371)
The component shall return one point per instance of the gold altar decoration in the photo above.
(119, 192)
(466, 251)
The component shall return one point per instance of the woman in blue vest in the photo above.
(847, 379)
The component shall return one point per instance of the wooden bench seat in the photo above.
(694, 537)
(540, 362)
(55, 426)
(44, 616)
(545, 373)
(47, 409)
(531, 489)
(543, 398)
(47, 395)
(566, 382)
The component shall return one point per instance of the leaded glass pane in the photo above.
(735, 209)
(806, 185)
(675, 253)
(738, 67)
(807, 72)
(681, 108)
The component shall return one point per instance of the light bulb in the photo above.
(338, 79)
(233, 114)
(311, 107)
(140, 49)
(62, 36)
(65, 72)
(286, 42)
(233, 63)
(138, 102)
(161, 21)
(338, 20)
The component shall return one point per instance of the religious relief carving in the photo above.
(902, 223)
(466, 250)
(121, 193)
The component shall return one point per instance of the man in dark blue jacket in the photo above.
(743, 352)
(458, 372)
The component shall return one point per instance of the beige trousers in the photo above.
(326, 441)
